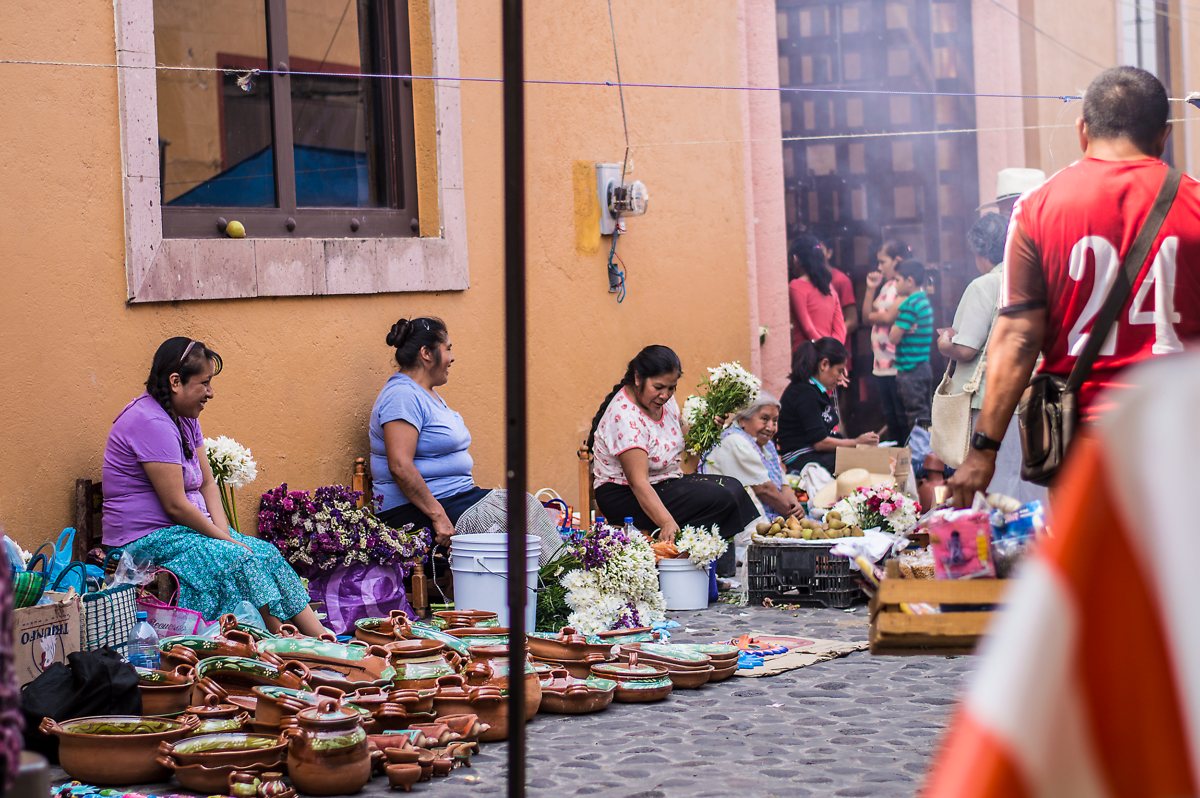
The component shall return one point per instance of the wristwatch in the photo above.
(983, 443)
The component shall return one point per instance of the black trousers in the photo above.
(893, 410)
(693, 499)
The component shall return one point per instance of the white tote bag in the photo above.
(950, 431)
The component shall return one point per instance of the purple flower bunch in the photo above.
(596, 548)
(326, 529)
(629, 618)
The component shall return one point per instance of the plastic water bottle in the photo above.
(600, 521)
(631, 531)
(142, 651)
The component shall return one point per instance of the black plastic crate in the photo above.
(807, 575)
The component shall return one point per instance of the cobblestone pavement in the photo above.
(855, 726)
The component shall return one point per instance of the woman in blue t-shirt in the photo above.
(420, 448)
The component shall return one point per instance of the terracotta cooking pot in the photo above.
(455, 697)
(327, 750)
(489, 665)
(568, 645)
(636, 681)
(166, 692)
(114, 749)
(215, 716)
(461, 619)
(420, 663)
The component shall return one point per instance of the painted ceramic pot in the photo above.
(640, 634)
(114, 749)
(213, 717)
(276, 704)
(580, 669)
(420, 663)
(237, 749)
(462, 619)
(166, 692)
(346, 667)
(688, 668)
(231, 643)
(563, 694)
(567, 645)
(481, 635)
(238, 676)
(243, 784)
(455, 697)
(489, 666)
(637, 682)
(327, 751)
(273, 786)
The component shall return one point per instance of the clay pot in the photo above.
(276, 703)
(233, 749)
(688, 669)
(238, 676)
(462, 619)
(402, 739)
(273, 786)
(489, 665)
(467, 727)
(580, 669)
(637, 634)
(460, 753)
(636, 682)
(379, 631)
(481, 635)
(331, 664)
(215, 717)
(396, 717)
(190, 649)
(243, 784)
(211, 779)
(566, 646)
(403, 776)
(442, 765)
(166, 692)
(420, 663)
(563, 694)
(327, 751)
(455, 697)
(114, 749)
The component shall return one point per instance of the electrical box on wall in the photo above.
(617, 199)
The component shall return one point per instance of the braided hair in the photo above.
(187, 358)
(807, 257)
(410, 336)
(652, 361)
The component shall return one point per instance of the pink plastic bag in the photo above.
(169, 619)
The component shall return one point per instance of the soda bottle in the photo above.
(142, 651)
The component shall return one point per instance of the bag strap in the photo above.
(1131, 267)
(83, 580)
(972, 385)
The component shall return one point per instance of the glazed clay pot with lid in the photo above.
(456, 697)
(420, 663)
(327, 750)
(190, 649)
(215, 716)
(567, 645)
(461, 619)
(637, 682)
(563, 694)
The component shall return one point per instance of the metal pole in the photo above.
(516, 453)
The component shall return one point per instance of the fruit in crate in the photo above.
(808, 529)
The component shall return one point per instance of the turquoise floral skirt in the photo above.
(216, 575)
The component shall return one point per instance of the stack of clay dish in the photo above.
(327, 750)
(456, 697)
(166, 692)
(481, 635)
(689, 670)
(420, 663)
(204, 764)
(568, 649)
(637, 682)
(215, 717)
(397, 626)
(489, 666)
(114, 749)
(331, 664)
(722, 656)
(190, 649)
(563, 694)
(238, 676)
(637, 634)
(463, 619)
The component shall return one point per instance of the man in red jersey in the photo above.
(1065, 246)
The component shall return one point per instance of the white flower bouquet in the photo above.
(233, 467)
(701, 545)
(615, 585)
(728, 389)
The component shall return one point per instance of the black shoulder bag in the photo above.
(1049, 410)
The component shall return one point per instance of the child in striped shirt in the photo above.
(913, 336)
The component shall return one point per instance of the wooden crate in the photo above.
(896, 632)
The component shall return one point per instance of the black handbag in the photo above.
(1049, 409)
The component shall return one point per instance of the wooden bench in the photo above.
(896, 632)
(89, 535)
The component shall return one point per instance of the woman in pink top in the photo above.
(816, 309)
(637, 442)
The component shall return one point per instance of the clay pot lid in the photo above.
(414, 648)
(630, 669)
(328, 713)
(214, 709)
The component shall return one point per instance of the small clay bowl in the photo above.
(114, 749)
(403, 776)
(216, 750)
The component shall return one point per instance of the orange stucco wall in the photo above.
(301, 373)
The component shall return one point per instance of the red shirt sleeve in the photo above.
(1024, 282)
(843, 287)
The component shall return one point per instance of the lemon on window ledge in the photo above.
(235, 229)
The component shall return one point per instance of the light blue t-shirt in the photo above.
(442, 442)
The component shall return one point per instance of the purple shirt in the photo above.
(144, 433)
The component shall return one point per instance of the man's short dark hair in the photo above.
(986, 237)
(912, 268)
(1126, 102)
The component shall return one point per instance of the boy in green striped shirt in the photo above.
(913, 336)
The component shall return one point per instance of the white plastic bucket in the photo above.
(479, 565)
(683, 585)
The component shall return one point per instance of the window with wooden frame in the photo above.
(305, 147)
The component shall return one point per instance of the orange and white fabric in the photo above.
(1090, 684)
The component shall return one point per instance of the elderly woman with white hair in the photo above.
(747, 452)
